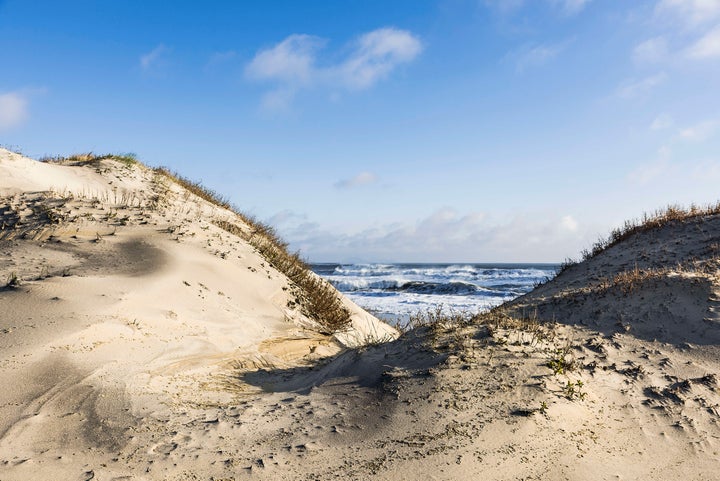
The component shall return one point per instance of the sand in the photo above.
(143, 342)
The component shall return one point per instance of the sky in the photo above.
(386, 130)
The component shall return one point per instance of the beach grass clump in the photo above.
(437, 317)
(88, 158)
(629, 280)
(197, 188)
(12, 281)
(647, 222)
(320, 300)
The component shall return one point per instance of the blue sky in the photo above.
(393, 130)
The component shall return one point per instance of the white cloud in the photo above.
(363, 178)
(219, 58)
(568, 7)
(377, 54)
(708, 46)
(652, 50)
(153, 57)
(444, 235)
(662, 122)
(654, 169)
(291, 61)
(292, 64)
(278, 100)
(690, 12)
(569, 223)
(13, 110)
(535, 56)
(639, 88)
(701, 131)
(505, 6)
(571, 7)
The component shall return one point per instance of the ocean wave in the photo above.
(400, 288)
(413, 286)
(438, 272)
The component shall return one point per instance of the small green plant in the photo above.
(573, 390)
(543, 408)
(561, 361)
(13, 280)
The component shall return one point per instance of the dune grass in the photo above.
(88, 158)
(648, 221)
(320, 301)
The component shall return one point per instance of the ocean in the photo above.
(395, 291)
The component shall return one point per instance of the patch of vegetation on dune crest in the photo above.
(647, 222)
(320, 301)
(318, 298)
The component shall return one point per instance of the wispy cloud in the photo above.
(219, 58)
(377, 54)
(638, 88)
(689, 12)
(153, 57)
(567, 7)
(535, 56)
(363, 178)
(708, 46)
(290, 61)
(662, 122)
(700, 131)
(13, 110)
(652, 50)
(504, 6)
(649, 171)
(572, 7)
(292, 65)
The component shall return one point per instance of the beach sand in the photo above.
(141, 342)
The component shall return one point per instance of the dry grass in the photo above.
(88, 158)
(319, 300)
(197, 188)
(648, 222)
(628, 281)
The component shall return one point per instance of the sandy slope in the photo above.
(167, 351)
(131, 306)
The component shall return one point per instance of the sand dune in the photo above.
(144, 342)
(129, 305)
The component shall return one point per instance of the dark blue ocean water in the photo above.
(397, 290)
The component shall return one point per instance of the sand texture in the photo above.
(141, 341)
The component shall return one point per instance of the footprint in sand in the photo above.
(164, 448)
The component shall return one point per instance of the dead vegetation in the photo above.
(649, 221)
(88, 158)
(35, 218)
(319, 300)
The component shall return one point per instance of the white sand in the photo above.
(146, 343)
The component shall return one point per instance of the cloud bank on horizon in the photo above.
(491, 130)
